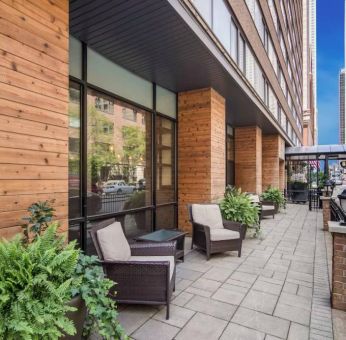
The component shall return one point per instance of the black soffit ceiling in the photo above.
(150, 38)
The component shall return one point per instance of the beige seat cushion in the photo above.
(113, 243)
(268, 207)
(157, 259)
(207, 214)
(254, 198)
(223, 234)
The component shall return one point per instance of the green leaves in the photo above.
(35, 286)
(273, 195)
(94, 289)
(237, 206)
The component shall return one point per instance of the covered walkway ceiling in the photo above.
(335, 151)
(161, 41)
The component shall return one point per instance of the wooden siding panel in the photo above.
(201, 150)
(33, 109)
(248, 158)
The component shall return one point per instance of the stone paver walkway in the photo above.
(278, 289)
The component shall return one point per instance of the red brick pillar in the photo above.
(339, 270)
(326, 211)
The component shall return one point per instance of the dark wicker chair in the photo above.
(266, 208)
(140, 282)
(201, 237)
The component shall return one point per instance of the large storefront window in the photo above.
(122, 149)
(119, 155)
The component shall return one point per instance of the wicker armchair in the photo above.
(215, 236)
(140, 280)
(266, 208)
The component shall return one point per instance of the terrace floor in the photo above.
(278, 289)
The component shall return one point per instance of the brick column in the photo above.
(201, 150)
(339, 266)
(248, 158)
(325, 211)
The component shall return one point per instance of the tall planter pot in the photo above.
(77, 317)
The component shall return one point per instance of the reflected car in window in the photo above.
(119, 187)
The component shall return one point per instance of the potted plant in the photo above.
(49, 289)
(273, 196)
(237, 206)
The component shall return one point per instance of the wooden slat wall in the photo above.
(248, 159)
(33, 108)
(201, 150)
(270, 161)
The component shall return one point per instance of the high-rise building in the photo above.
(310, 133)
(134, 109)
(342, 121)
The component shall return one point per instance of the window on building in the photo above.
(241, 54)
(234, 41)
(222, 23)
(205, 10)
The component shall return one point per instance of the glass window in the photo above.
(119, 157)
(105, 74)
(273, 13)
(241, 54)
(230, 179)
(166, 102)
(74, 151)
(165, 160)
(166, 217)
(204, 8)
(75, 57)
(221, 23)
(250, 66)
(234, 41)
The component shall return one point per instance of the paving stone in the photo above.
(235, 288)
(202, 327)
(212, 307)
(299, 276)
(291, 288)
(178, 317)
(197, 291)
(217, 274)
(206, 284)
(228, 296)
(182, 298)
(305, 291)
(292, 313)
(188, 274)
(244, 277)
(183, 284)
(261, 322)
(260, 301)
(237, 332)
(153, 330)
(295, 300)
(270, 337)
(298, 332)
(238, 283)
(267, 287)
(133, 317)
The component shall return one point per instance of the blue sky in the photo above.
(330, 56)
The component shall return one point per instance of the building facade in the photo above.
(133, 109)
(310, 133)
(342, 122)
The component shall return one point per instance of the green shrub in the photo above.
(237, 206)
(39, 275)
(35, 286)
(273, 195)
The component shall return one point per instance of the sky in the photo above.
(330, 59)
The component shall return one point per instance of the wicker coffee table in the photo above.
(164, 235)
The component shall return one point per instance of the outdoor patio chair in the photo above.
(213, 234)
(144, 272)
(266, 208)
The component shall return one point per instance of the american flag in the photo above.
(315, 164)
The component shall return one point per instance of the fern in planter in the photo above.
(274, 195)
(237, 206)
(40, 275)
(35, 287)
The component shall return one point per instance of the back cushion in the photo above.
(207, 214)
(113, 243)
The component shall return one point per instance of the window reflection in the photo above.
(74, 151)
(165, 159)
(119, 155)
